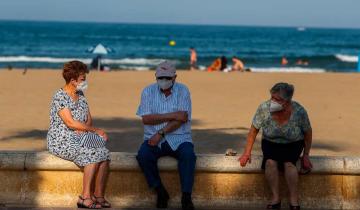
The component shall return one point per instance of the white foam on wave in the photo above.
(136, 68)
(40, 59)
(289, 70)
(347, 58)
(124, 61)
(133, 61)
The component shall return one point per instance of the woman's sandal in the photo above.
(274, 206)
(294, 207)
(104, 203)
(93, 204)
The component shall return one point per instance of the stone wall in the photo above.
(40, 179)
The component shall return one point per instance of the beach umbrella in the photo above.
(99, 50)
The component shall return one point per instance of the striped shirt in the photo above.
(153, 101)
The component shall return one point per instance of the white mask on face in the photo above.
(275, 106)
(82, 86)
(164, 84)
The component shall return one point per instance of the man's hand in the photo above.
(154, 140)
(244, 159)
(181, 116)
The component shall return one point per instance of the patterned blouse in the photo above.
(292, 131)
(62, 141)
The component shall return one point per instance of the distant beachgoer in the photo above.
(215, 66)
(238, 65)
(286, 133)
(284, 61)
(302, 62)
(96, 62)
(193, 59)
(10, 67)
(223, 63)
(72, 137)
(25, 71)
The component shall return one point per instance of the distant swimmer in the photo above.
(193, 59)
(284, 61)
(302, 62)
(238, 65)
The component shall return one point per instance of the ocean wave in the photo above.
(347, 58)
(133, 61)
(124, 61)
(135, 68)
(289, 70)
(8, 59)
(279, 69)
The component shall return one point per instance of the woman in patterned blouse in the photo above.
(71, 135)
(286, 133)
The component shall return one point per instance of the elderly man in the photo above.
(165, 109)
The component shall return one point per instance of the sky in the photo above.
(307, 13)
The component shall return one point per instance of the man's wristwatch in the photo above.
(161, 132)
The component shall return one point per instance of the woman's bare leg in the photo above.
(101, 178)
(292, 178)
(88, 179)
(272, 177)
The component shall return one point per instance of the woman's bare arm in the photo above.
(66, 117)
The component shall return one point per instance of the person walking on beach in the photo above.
(286, 133)
(165, 109)
(193, 59)
(72, 137)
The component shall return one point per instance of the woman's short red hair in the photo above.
(73, 69)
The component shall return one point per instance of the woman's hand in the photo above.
(101, 133)
(306, 162)
(244, 159)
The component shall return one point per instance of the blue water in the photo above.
(142, 46)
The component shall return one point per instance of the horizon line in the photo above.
(183, 24)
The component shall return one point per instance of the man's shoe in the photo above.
(186, 202)
(162, 198)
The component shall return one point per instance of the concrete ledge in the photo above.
(41, 179)
(205, 162)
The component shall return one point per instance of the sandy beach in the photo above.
(223, 106)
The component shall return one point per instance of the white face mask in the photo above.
(164, 84)
(82, 86)
(275, 106)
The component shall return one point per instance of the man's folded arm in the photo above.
(172, 126)
(155, 119)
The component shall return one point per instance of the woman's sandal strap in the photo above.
(294, 207)
(91, 206)
(274, 206)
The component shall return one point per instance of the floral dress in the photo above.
(64, 142)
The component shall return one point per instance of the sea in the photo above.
(140, 47)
